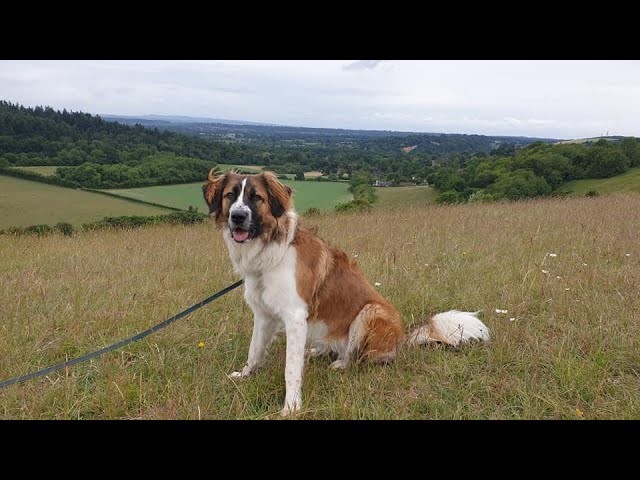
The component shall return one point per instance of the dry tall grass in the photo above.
(567, 348)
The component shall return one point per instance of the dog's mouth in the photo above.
(240, 235)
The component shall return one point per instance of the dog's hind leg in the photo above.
(355, 338)
(375, 335)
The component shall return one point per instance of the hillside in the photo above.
(565, 349)
(627, 182)
(320, 195)
(24, 203)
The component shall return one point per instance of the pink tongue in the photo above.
(240, 235)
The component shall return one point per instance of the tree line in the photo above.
(95, 153)
(536, 170)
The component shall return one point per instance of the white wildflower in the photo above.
(627, 254)
(567, 289)
(498, 310)
(377, 284)
(545, 271)
(553, 254)
(512, 319)
(558, 277)
(584, 264)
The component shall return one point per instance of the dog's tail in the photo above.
(452, 327)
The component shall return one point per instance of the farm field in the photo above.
(322, 195)
(627, 182)
(399, 196)
(24, 202)
(556, 281)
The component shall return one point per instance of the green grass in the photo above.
(401, 196)
(46, 171)
(566, 349)
(24, 202)
(321, 195)
(627, 182)
(225, 167)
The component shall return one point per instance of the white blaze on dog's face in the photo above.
(250, 206)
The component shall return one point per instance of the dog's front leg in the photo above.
(264, 328)
(296, 331)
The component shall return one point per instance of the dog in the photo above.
(296, 282)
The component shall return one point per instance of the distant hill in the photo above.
(613, 138)
(168, 119)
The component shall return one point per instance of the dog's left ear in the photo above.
(279, 194)
(212, 190)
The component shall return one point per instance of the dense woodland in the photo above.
(97, 153)
(536, 170)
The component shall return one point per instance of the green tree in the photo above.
(631, 149)
(519, 184)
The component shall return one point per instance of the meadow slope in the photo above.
(321, 195)
(569, 346)
(25, 202)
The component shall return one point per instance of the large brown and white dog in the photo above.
(295, 280)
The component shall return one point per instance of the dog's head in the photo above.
(250, 206)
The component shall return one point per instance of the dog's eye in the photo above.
(255, 197)
(230, 195)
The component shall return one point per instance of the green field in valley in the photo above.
(398, 196)
(321, 195)
(225, 167)
(24, 203)
(627, 182)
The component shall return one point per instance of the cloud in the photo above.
(362, 65)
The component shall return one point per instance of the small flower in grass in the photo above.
(512, 319)
(355, 255)
(567, 289)
(200, 344)
(553, 254)
(377, 284)
(498, 310)
(579, 412)
(627, 254)
(584, 264)
(545, 271)
(558, 277)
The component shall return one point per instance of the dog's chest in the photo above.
(274, 291)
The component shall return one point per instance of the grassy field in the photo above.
(46, 171)
(567, 271)
(404, 196)
(322, 195)
(627, 182)
(24, 202)
(225, 167)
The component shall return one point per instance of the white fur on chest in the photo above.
(275, 291)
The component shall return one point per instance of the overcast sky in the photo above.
(559, 99)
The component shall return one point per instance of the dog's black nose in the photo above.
(239, 216)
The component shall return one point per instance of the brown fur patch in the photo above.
(336, 291)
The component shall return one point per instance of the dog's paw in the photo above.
(339, 365)
(290, 409)
(314, 352)
(246, 371)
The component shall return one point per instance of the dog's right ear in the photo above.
(212, 190)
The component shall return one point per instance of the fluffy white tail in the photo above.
(452, 327)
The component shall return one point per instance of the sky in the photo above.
(555, 99)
